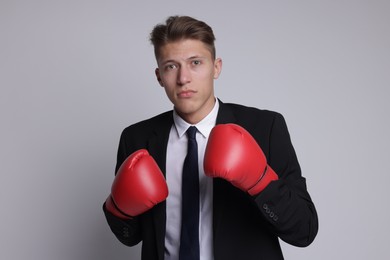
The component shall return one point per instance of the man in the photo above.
(248, 190)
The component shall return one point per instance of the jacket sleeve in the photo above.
(286, 204)
(127, 231)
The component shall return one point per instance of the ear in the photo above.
(217, 67)
(157, 72)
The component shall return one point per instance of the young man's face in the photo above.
(186, 70)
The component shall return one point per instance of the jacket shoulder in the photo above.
(150, 123)
(144, 129)
(252, 114)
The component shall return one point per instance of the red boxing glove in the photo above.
(138, 186)
(233, 154)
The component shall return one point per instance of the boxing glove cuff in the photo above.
(268, 176)
(113, 209)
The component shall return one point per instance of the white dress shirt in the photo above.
(176, 153)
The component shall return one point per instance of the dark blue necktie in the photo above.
(189, 239)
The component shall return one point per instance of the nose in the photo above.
(184, 76)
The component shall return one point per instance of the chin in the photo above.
(185, 110)
(185, 106)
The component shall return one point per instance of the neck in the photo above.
(194, 118)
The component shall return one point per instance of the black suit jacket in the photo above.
(244, 227)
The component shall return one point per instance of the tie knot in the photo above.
(191, 132)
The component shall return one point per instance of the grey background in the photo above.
(73, 74)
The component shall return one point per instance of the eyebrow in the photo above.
(189, 58)
(196, 57)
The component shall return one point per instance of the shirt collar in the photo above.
(204, 126)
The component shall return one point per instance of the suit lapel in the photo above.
(225, 116)
(157, 147)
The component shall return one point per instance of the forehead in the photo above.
(183, 49)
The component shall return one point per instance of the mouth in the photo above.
(186, 93)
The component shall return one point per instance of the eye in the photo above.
(170, 67)
(196, 62)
